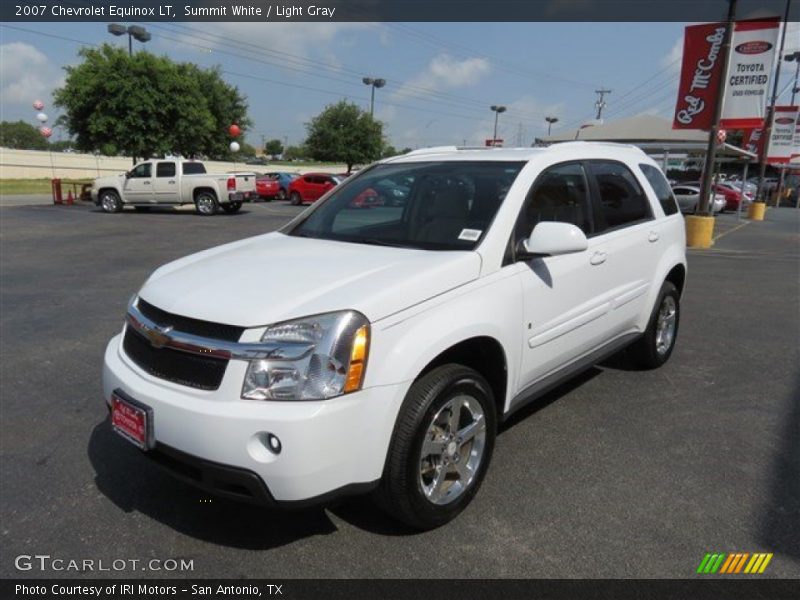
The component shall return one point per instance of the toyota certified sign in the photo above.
(756, 47)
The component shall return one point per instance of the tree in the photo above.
(273, 147)
(344, 133)
(389, 151)
(148, 105)
(22, 136)
(294, 152)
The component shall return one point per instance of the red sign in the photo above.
(700, 76)
(491, 142)
(754, 140)
(129, 421)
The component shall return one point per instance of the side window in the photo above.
(142, 171)
(560, 193)
(165, 169)
(661, 187)
(622, 200)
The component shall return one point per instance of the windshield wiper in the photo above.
(376, 242)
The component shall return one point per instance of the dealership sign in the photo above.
(745, 85)
(783, 136)
(750, 66)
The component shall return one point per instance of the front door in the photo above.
(138, 187)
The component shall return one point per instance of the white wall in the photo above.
(37, 164)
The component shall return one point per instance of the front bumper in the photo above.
(327, 446)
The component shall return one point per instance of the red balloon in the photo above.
(234, 130)
(46, 131)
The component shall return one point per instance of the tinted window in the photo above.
(682, 191)
(141, 171)
(193, 168)
(561, 193)
(165, 169)
(445, 205)
(661, 187)
(622, 200)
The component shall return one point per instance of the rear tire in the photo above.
(231, 207)
(295, 199)
(655, 347)
(281, 194)
(110, 201)
(206, 204)
(441, 447)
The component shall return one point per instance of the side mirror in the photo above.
(127, 174)
(551, 238)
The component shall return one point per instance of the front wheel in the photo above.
(281, 194)
(295, 199)
(110, 201)
(441, 447)
(655, 347)
(206, 204)
(231, 207)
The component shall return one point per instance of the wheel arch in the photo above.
(204, 188)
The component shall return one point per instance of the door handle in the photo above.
(172, 181)
(598, 258)
(145, 183)
(653, 237)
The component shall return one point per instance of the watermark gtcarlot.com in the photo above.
(48, 563)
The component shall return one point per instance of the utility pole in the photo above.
(600, 104)
(762, 159)
(711, 149)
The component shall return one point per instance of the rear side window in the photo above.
(193, 168)
(622, 200)
(561, 193)
(165, 169)
(661, 187)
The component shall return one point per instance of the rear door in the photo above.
(625, 224)
(165, 184)
(138, 187)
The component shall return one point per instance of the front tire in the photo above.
(206, 204)
(110, 201)
(295, 199)
(441, 447)
(281, 194)
(655, 347)
(231, 207)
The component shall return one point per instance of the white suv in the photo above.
(376, 341)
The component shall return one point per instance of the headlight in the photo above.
(335, 366)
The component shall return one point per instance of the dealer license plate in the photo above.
(132, 420)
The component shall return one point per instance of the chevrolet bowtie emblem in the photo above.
(158, 336)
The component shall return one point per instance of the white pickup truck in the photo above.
(171, 182)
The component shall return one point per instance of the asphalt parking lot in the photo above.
(620, 473)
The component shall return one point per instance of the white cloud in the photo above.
(28, 74)
(445, 72)
(674, 57)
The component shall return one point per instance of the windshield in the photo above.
(432, 205)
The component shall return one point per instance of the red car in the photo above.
(267, 188)
(311, 186)
(733, 196)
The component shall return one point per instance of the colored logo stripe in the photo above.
(733, 563)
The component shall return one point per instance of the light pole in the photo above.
(134, 31)
(375, 83)
(550, 121)
(497, 109)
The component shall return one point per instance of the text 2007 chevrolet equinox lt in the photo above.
(375, 346)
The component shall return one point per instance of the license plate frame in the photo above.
(132, 420)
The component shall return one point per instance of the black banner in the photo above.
(387, 10)
(410, 589)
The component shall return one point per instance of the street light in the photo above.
(550, 121)
(375, 83)
(497, 110)
(134, 31)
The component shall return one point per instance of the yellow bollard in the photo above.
(699, 231)
(755, 212)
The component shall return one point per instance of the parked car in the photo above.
(733, 195)
(688, 197)
(258, 160)
(284, 178)
(310, 187)
(267, 187)
(396, 340)
(172, 183)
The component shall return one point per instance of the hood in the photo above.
(275, 277)
(108, 180)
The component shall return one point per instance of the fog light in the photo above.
(274, 443)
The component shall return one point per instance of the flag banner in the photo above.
(700, 76)
(782, 137)
(754, 140)
(750, 67)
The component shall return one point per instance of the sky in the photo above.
(441, 78)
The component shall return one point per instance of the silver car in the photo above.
(688, 197)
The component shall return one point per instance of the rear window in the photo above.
(165, 169)
(194, 168)
(661, 187)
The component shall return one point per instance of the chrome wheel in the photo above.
(665, 324)
(110, 202)
(206, 204)
(452, 450)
